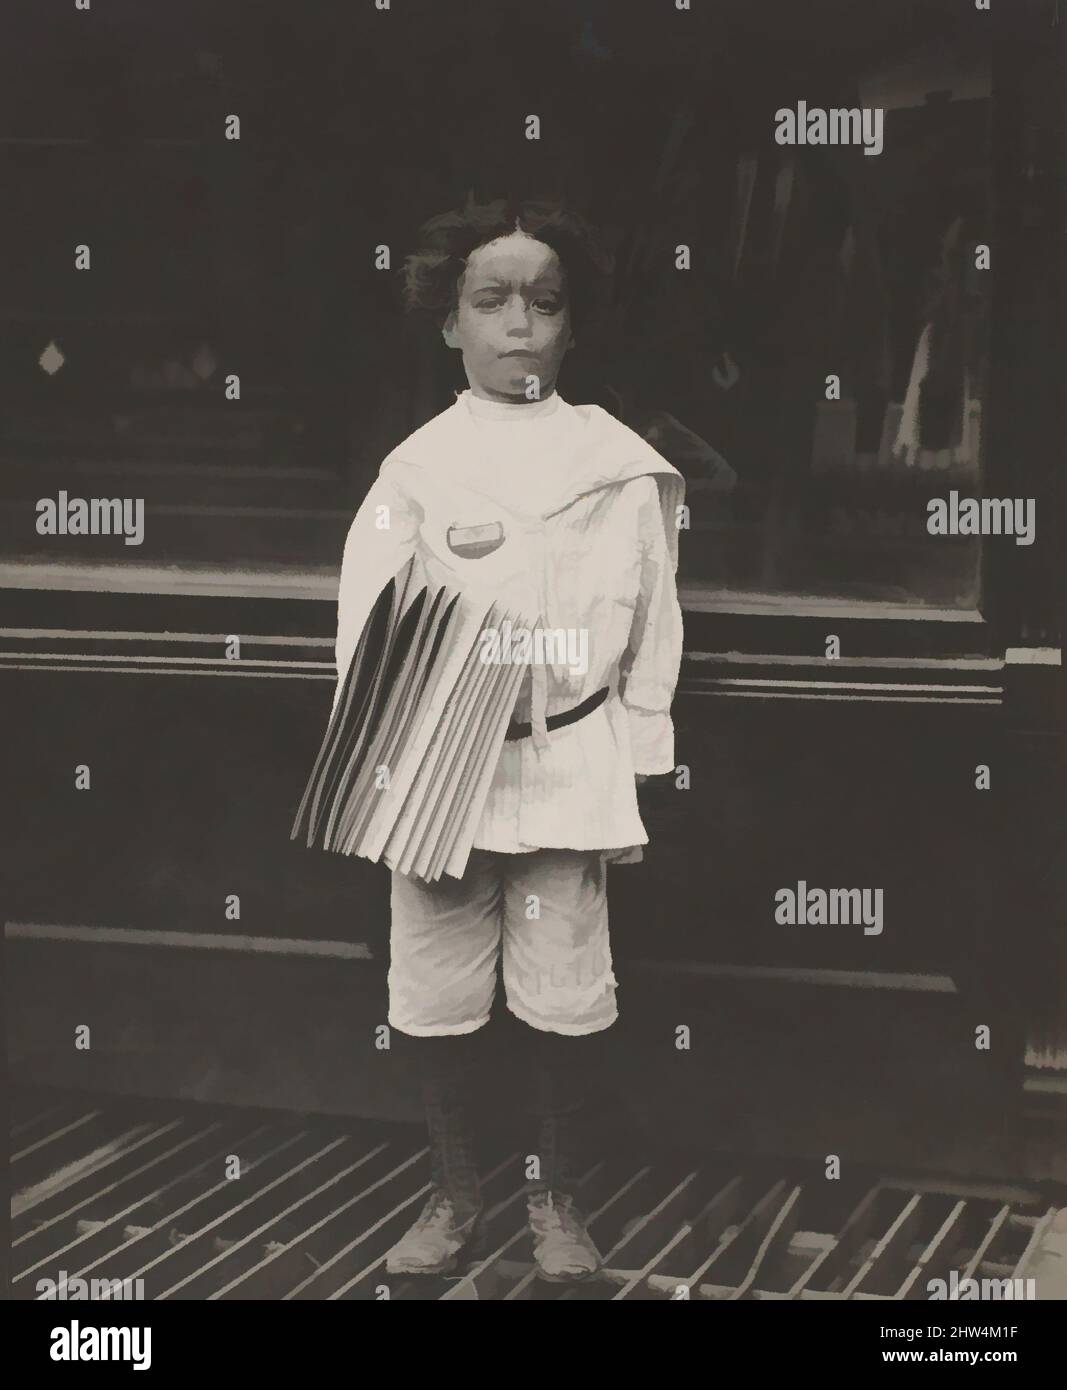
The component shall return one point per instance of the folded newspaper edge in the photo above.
(408, 756)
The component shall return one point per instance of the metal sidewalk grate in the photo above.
(208, 1205)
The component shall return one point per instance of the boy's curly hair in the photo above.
(431, 273)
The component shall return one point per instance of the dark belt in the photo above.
(558, 721)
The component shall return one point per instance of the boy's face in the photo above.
(512, 319)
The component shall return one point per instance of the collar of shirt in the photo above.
(514, 412)
(537, 458)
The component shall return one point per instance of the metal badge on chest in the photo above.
(473, 542)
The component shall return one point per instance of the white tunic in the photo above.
(590, 542)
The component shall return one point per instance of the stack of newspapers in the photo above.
(413, 742)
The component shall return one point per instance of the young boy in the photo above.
(562, 512)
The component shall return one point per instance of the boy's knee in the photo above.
(451, 1053)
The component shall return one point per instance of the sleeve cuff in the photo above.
(651, 742)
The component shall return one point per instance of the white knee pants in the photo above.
(545, 912)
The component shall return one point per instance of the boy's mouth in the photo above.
(519, 352)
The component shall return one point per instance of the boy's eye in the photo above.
(493, 302)
(548, 306)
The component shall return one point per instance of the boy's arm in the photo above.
(380, 540)
(654, 656)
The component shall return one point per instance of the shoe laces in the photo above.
(555, 1211)
(439, 1213)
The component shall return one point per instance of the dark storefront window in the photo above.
(822, 263)
(257, 258)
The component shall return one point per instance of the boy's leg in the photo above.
(441, 982)
(559, 978)
(561, 1069)
(557, 955)
(447, 1070)
(444, 941)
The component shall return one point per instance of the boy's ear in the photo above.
(448, 330)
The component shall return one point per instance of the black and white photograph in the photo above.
(532, 554)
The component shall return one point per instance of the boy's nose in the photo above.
(517, 321)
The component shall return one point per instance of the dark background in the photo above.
(356, 125)
(257, 257)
